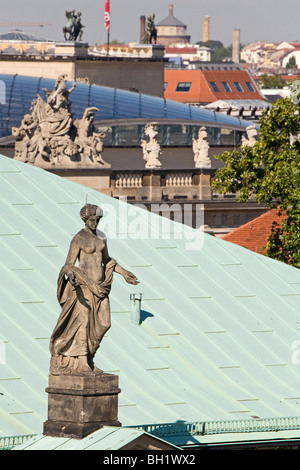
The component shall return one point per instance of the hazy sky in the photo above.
(265, 20)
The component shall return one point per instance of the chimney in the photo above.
(170, 10)
(142, 28)
(206, 22)
(236, 46)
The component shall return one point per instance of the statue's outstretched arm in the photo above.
(128, 276)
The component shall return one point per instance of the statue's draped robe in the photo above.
(84, 318)
(151, 152)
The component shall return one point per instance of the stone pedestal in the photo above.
(79, 405)
(71, 48)
(150, 50)
(93, 177)
(203, 181)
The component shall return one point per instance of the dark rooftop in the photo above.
(170, 20)
(19, 35)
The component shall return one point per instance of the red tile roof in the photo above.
(201, 90)
(253, 235)
(180, 50)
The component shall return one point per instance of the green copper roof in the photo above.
(219, 338)
(107, 438)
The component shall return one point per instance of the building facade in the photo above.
(141, 70)
(171, 31)
(209, 83)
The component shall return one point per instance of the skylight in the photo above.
(238, 86)
(250, 87)
(183, 86)
(226, 86)
(214, 86)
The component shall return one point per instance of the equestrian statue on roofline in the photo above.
(73, 30)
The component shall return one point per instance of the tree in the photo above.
(272, 81)
(270, 173)
(219, 51)
(211, 43)
(291, 64)
(115, 42)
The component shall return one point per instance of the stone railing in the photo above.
(153, 185)
(135, 51)
(179, 179)
(129, 180)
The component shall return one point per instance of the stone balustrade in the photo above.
(222, 212)
(144, 185)
(129, 180)
(179, 179)
(157, 184)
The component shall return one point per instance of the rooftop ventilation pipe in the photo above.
(135, 308)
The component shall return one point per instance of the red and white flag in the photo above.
(107, 15)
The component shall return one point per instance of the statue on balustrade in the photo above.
(201, 150)
(51, 134)
(151, 149)
(83, 293)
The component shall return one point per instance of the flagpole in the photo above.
(107, 22)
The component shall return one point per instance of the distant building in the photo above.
(122, 117)
(270, 57)
(187, 53)
(135, 68)
(171, 31)
(18, 42)
(209, 83)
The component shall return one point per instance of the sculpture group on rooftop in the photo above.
(73, 30)
(50, 131)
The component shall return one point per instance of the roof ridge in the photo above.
(170, 20)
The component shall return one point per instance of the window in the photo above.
(226, 86)
(238, 86)
(165, 85)
(214, 86)
(250, 87)
(183, 86)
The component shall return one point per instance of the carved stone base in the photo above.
(79, 405)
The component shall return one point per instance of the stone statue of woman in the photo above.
(82, 292)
